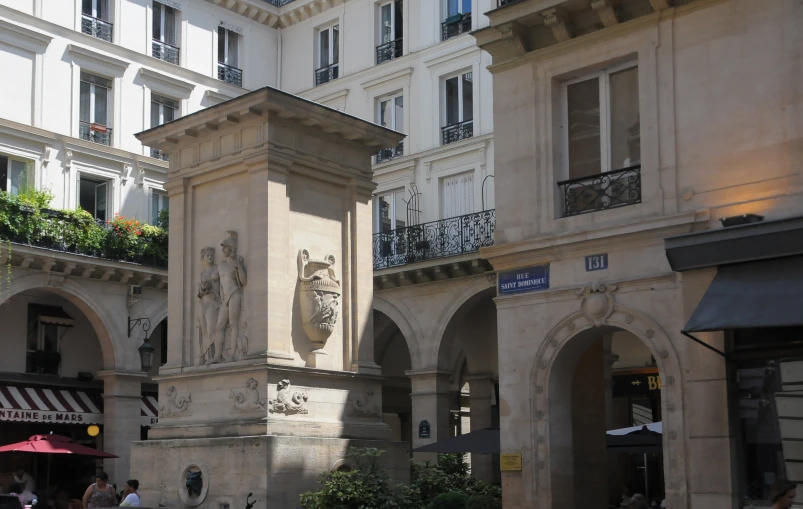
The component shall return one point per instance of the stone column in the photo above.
(481, 393)
(176, 331)
(615, 461)
(431, 402)
(122, 399)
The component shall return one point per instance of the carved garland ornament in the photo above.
(319, 293)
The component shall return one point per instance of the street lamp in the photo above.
(146, 350)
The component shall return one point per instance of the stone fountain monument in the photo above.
(270, 372)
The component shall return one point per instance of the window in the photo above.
(390, 211)
(328, 54)
(390, 43)
(93, 197)
(457, 18)
(162, 110)
(457, 195)
(228, 56)
(95, 19)
(45, 328)
(159, 202)
(602, 119)
(459, 108)
(16, 175)
(164, 33)
(390, 114)
(94, 109)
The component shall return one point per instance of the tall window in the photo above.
(16, 175)
(46, 325)
(93, 197)
(390, 211)
(94, 109)
(602, 119)
(164, 44)
(457, 195)
(457, 18)
(391, 29)
(162, 110)
(228, 56)
(328, 54)
(95, 19)
(159, 202)
(459, 108)
(390, 114)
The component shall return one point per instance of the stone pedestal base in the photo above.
(276, 469)
(319, 359)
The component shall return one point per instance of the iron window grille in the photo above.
(390, 153)
(389, 51)
(457, 132)
(229, 74)
(96, 27)
(95, 133)
(456, 25)
(165, 51)
(326, 74)
(609, 190)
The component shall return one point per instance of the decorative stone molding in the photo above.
(287, 402)
(606, 11)
(247, 400)
(55, 280)
(597, 304)
(660, 5)
(318, 292)
(364, 404)
(557, 20)
(176, 405)
(193, 484)
(513, 35)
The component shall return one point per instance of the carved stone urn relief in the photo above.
(319, 297)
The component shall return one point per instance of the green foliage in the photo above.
(449, 475)
(163, 221)
(451, 500)
(483, 502)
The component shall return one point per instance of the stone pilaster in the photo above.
(481, 393)
(431, 402)
(122, 398)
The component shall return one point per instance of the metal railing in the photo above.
(278, 3)
(456, 25)
(68, 233)
(609, 190)
(164, 51)
(229, 74)
(437, 239)
(95, 133)
(326, 74)
(502, 3)
(389, 50)
(158, 154)
(96, 27)
(390, 153)
(456, 132)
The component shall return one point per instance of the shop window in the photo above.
(93, 197)
(46, 326)
(16, 175)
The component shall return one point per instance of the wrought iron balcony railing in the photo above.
(95, 133)
(438, 239)
(278, 3)
(503, 3)
(390, 153)
(604, 191)
(456, 132)
(229, 74)
(96, 27)
(164, 51)
(158, 154)
(389, 50)
(326, 74)
(456, 25)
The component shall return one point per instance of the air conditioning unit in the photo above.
(134, 291)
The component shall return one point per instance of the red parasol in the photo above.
(54, 444)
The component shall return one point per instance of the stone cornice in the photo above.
(570, 244)
(164, 82)
(97, 61)
(24, 38)
(404, 73)
(281, 17)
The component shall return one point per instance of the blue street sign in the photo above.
(530, 279)
(596, 262)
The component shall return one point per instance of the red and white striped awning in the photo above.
(149, 413)
(58, 406)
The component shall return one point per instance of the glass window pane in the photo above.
(583, 128)
(154, 208)
(101, 195)
(398, 19)
(336, 44)
(168, 114)
(86, 7)
(83, 114)
(170, 25)
(384, 114)
(20, 177)
(101, 98)
(3, 173)
(386, 28)
(221, 45)
(399, 120)
(452, 8)
(155, 121)
(452, 104)
(157, 21)
(401, 209)
(625, 136)
(102, 10)
(468, 97)
(324, 47)
(234, 49)
(466, 6)
(384, 214)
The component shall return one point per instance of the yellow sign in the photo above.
(93, 431)
(510, 462)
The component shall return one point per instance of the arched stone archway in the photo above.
(411, 336)
(549, 451)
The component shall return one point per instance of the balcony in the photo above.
(389, 51)
(390, 153)
(158, 154)
(229, 74)
(609, 190)
(456, 132)
(437, 239)
(77, 232)
(326, 74)
(164, 51)
(96, 27)
(456, 25)
(503, 3)
(278, 3)
(95, 133)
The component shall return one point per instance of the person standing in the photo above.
(26, 480)
(100, 494)
(782, 494)
(130, 496)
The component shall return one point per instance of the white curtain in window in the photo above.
(457, 195)
(20, 176)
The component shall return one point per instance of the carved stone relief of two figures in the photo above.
(319, 292)
(220, 294)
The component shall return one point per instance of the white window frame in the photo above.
(95, 4)
(9, 158)
(226, 47)
(92, 95)
(162, 106)
(460, 114)
(161, 7)
(393, 123)
(380, 30)
(604, 112)
(101, 181)
(460, 10)
(392, 213)
(160, 196)
(330, 37)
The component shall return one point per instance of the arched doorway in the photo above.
(392, 354)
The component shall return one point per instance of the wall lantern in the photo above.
(727, 222)
(146, 350)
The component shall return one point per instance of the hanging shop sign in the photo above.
(510, 462)
(530, 279)
(423, 429)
